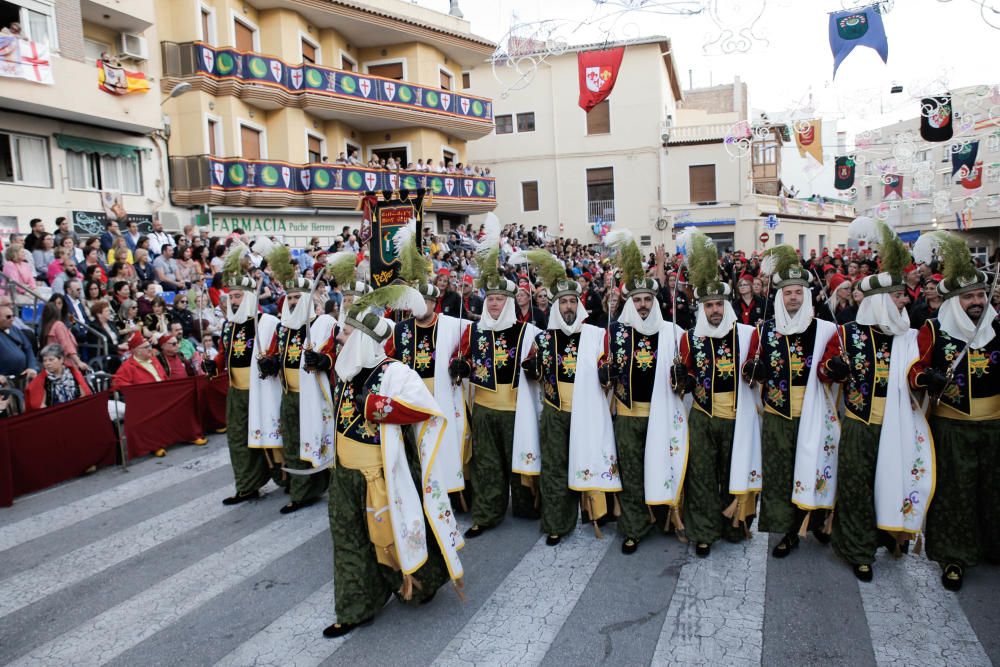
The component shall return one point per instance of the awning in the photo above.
(80, 145)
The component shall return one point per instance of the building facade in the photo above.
(576, 172)
(287, 91)
(63, 139)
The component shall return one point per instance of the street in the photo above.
(147, 567)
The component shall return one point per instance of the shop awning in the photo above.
(81, 145)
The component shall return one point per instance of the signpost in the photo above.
(764, 237)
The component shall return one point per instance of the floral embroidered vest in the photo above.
(350, 423)
(788, 360)
(496, 356)
(633, 359)
(414, 345)
(290, 350)
(238, 340)
(869, 352)
(977, 375)
(715, 366)
(557, 357)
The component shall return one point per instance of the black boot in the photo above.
(553, 540)
(341, 629)
(241, 498)
(951, 578)
(475, 531)
(785, 546)
(701, 550)
(863, 572)
(630, 545)
(296, 506)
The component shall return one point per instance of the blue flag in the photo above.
(964, 156)
(857, 27)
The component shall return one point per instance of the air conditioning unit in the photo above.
(133, 46)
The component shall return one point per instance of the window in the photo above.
(314, 148)
(446, 80)
(90, 171)
(24, 160)
(868, 192)
(36, 19)
(207, 25)
(308, 53)
(347, 63)
(600, 195)
(213, 128)
(993, 173)
(505, 124)
(250, 142)
(387, 70)
(466, 80)
(526, 122)
(244, 35)
(868, 168)
(765, 153)
(802, 244)
(529, 196)
(397, 153)
(923, 156)
(93, 50)
(946, 153)
(779, 238)
(701, 181)
(822, 242)
(946, 179)
(449, 157)
(599, 119)
(993, 143)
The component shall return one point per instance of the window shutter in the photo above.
(599, 119)
(529, 195)
(250, 140)
(701, 178)
(389, 70)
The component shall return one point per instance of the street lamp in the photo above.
(177, 91)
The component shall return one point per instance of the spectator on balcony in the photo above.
(165, 269)
(55, 330)
(58, 382)
(156, 322)
(17, 355)
(43, 255)
(420, 165)
(63, 231)
(127, 321)
(342, 158)
(34, 237)
(18, 267)
(354, 159)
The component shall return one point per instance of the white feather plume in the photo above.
(517, 258)
(262, 245)
(340, 255)
(768, 265)
(926, 248)
(617, 238)
(404, 234)
(491, 237)
(411, 300)
(865, 229)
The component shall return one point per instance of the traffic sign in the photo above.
(771, 222)
(764, 237)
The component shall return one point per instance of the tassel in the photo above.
(919, 546)
(459, 586)
(406, 591)
(678, 524)
(597, 531)
(730, 512)
(804, 528)
(828, 524)
(652, 517)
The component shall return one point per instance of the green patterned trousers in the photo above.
(559, 502)
(250, 467)
(855, 529)
(490, 469)
(630, 438)
(301, 487)
(706, 483)
(777, 449)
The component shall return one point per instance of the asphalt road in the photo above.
(147, 567)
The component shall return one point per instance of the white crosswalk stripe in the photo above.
(914, 620)
(716, 613)
(121, 494)
(522, 618)
(102, 639)
(53, 575)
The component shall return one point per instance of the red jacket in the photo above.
(34, 395)
(132, 373)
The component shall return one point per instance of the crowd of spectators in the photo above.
(428, 166)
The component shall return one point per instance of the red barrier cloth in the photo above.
(212, 400)
(51, 445)
(160, 414)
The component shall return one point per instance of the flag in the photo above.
(974, 178)
(935, 118)
(23, 59)
(809, 138)
(893, 187)
(964, 220)
(857, 27)
(965, 156)
(115, 79)
(598, 72)
(843, 178)
(387, 217)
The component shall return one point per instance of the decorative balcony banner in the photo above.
(963, 158)
(893, 187)
(844, 174)
(387, 217)
(973, 180)
(809, 138)
(935, 118)
(598, 72)
(857, 27)
(229, 64)
(24, 59)
(115, 79)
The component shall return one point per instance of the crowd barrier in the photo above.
(45, 447)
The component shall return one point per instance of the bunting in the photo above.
(857, 27)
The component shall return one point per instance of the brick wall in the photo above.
(69, 25)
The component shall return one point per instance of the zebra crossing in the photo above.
(147, 567)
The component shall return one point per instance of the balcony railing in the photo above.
(272, 83)
(600, 210)
(209, 180)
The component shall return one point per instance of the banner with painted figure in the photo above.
(388, 217)
(598, 71)
(857, 27)
(229, 64)
(24, 59)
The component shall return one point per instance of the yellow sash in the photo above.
(367, 459)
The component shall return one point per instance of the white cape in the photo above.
(593, 457)
(745, 472)
(819, 435)
(264, 418)
(667, 430)
(317, 426)
(449, 397)
(904, 473)
(527, 453)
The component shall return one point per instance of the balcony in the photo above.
(203, 179)
(601, 211)
(368, 103)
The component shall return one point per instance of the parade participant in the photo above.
(392, 525)
(304, 411)
(725, 417)
(504, 421)
(650, 424)
(800, 430)
(420, 342)
(959, 367)
(884, 432)
(250, 466)
(576, 436)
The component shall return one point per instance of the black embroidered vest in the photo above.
(350, 423)
(977, 375)
(633, 358)
(716, 362)
(416, 347)
(557, 358)
(238, 340)
(496, 356)
(869, 352)
(788, 360)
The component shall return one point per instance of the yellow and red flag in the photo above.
(809, 138)
(119, 81)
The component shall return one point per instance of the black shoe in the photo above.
(341, 629)
(296, 506)
(951, 578)
(785, 546)
(475, 531)
(630, 545)
(863, 572)
(821, 537)
(427, 600)
(553, 540)
(241, 498)
(701, 550)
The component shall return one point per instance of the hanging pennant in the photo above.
(857, 27)
(809, 138)
(964, 158)
(893, 187)
(935, 118)
(598, 72)
(844, 173)
(974, 179)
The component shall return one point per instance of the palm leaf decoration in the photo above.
(232, 264)
(779, 259)
(397, 297)
(701, 258)
(340, 266)
(550, 269)
(280, 261)
(628, 257)
(414, 266)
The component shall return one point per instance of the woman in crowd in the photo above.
(43, 255)
(185, 266)
(218, 252)
(143, 267)
(92, 293)
(119, 244)
(748, 306)
(17, 267)
(55, 330)
(156, 321)
(58, 382)
(201, 256)
(127, 321)
(100, 314)
(182, 314)
(207, 319)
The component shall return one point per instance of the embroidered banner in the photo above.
(387, 218)
(857, 27)
(23, 59)
(598, 72)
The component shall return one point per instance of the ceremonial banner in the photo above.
(388, 217)
(598, 72)
(935, 118)
(964, 156)
(115, 79)
(857, 27)
(809, 138)
(843, 178)
(22, 59)
(169, 415)
(893, 187)
(973, 179)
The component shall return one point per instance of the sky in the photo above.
(934, 45)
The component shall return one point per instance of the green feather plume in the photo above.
(779, 259)
(893, 253)
(414, 266)
(340, 267)
(628, 257)
(701, 257)
(280, 261)
(487, 252)
(232, 264)
(396, 296)
(550, 269)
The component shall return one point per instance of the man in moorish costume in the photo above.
(650, 423)
(392, 524)
(577, 439)
(504, 421)
(301, 356)
(885, 459)
(959, 367)
(724, 426)
(801, 429)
